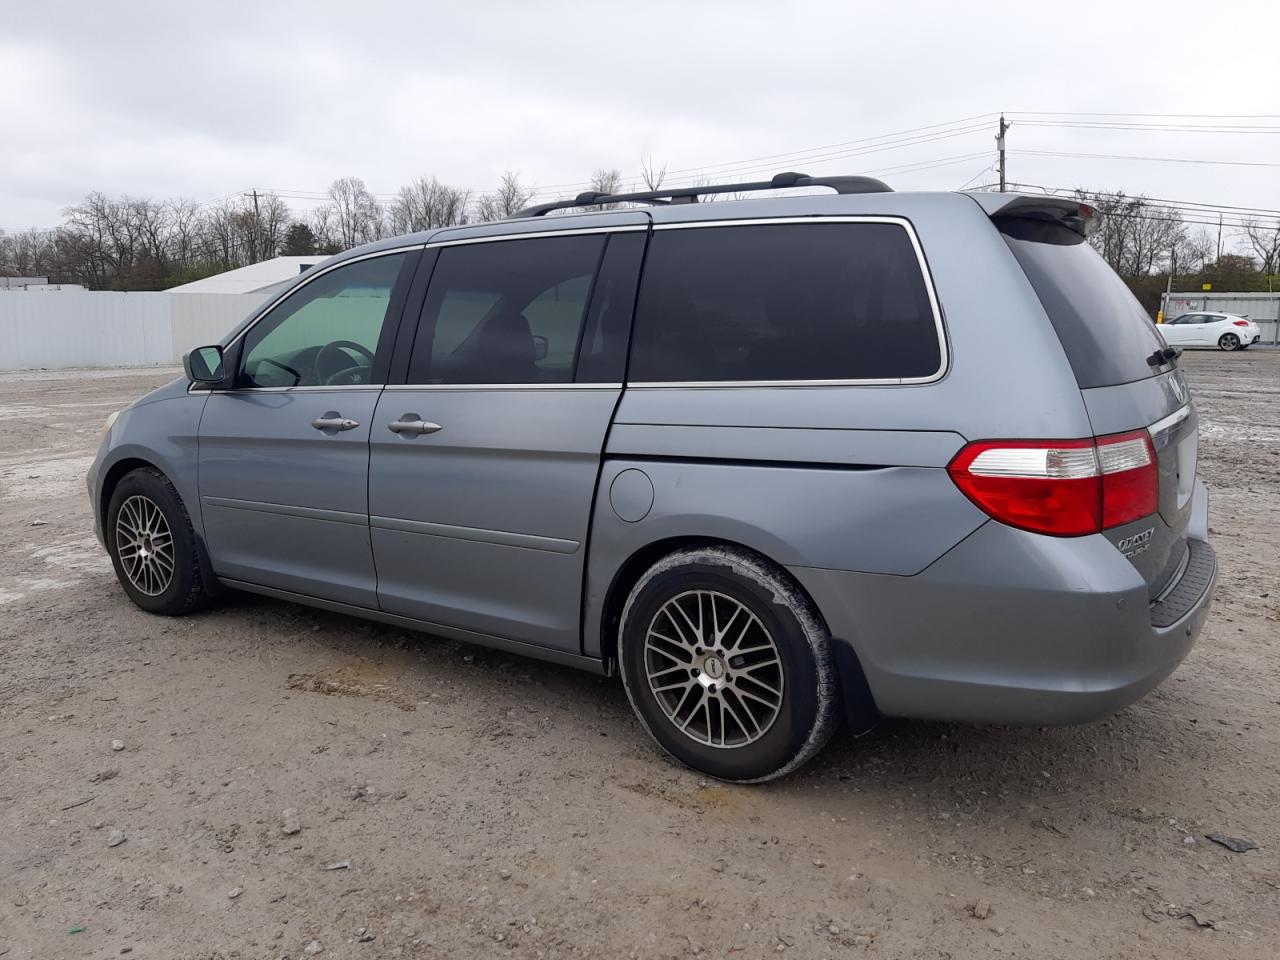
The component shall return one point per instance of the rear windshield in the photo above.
(1104, 330)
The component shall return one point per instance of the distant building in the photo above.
(22, 283)
(263, 278)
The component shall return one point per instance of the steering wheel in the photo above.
(348, 372)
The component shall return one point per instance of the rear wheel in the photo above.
(1229, 341)
(152, 545)
(727, 664)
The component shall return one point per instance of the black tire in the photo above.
(807, 712)
(184, 590)
(1229, 341)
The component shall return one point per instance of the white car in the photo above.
(1223, 330)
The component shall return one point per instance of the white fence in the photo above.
(98, 328)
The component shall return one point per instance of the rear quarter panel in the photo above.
(852, 477)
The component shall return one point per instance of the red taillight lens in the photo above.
(1130, 478)
(1239, 323)
(1065, 488)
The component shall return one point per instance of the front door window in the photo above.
(325, 334)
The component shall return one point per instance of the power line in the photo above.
(1117, 156)
(1150, 127)
(1209, 116)
(846, 143)
(1161, 211)
(1209, 207)
(737, 168)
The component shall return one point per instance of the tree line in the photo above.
(136, 243)
(1152, 247)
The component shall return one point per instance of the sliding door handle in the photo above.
(413, 425)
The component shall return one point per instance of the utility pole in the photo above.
(257, 228)
(1219, 236)
(1000, 150)
(1168, 286)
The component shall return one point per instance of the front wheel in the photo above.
(152, 545)
(727, 664)
(1229, 341)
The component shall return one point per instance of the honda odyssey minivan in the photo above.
(777, 462)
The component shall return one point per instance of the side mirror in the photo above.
(204, 364)
(540, 347)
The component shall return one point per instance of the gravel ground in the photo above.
(455, 802)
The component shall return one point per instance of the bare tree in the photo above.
(607, 182)
(509, 199)
(426, 204)
(1194, 250)
(356, 215)
(188, 229)
(323, 228)
(653, 175)
(28, 253)
(222, 240)
(1264, 237)
(1135, 237)
(273, 220)
(702, 180)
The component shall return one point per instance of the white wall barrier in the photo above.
(102, 328)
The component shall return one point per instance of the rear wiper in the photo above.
(1163, 356)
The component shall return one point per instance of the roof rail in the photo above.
(690, 194)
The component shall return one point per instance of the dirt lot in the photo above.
(479, 805)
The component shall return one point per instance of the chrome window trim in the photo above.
(944, 353)
(1165, 424)
(538, 234)
(312, 388)
(502, 386)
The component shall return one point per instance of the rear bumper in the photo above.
(1012, 627)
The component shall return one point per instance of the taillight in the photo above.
(1239, 323)
(1130, 478)
(1065, 488)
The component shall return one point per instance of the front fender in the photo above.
(162, 431)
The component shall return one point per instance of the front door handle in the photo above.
(413, 425)
(334, 421)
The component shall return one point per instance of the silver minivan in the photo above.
(778, 462)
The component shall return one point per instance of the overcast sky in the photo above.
(174, 99)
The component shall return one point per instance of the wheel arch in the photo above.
(112, 477)
(859, 703)
(138, 460)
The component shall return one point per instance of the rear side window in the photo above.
(811, 301)
(1105, 332)
(509, 311)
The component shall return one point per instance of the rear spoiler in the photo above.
(1071, 213)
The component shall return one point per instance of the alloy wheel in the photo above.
(144, 545)
(714, 669)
